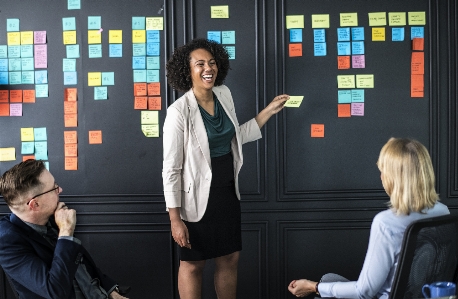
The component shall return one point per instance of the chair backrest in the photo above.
(429, 253)
(13, 289)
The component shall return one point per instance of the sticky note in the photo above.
(115, 36)
(138, 36)
(41, 77)
(317, 130)
(16, 96)
(152, 36)
(71, 150)
(115, 50)
(28, 157)
(154, 103)
(344, 110)
(150, 130)
(138, 23)
(348, 19)
(365, 81)
(149, 117)
(418, 44)
(296, 21)
(156, 23)
(16, 109)
(295, 50)
(397, 18)
(214, 36)
(94, 22)
(141, 103)
(343, 62)
(153, 63)
(344, 96)
(100, 93)
(94, 37)
(13, 38)
(95, 137)
(70, 107)
(95, 51)
(319, 49)
(343, 34)
(69, 37)
(27, 38)
(320, 21)
(70, 137)
(343, 48)
(294, 101)
(417, 17)
(139, 49)
(357, 109)
(27, 134)
(27, 64)
(68, 65)
(27, 148)
(417, 63)
(152, 76)
(357, 33)
(70, 120)
(70, 94)
(14, 64)
(39, 37)
(4, 96)
(231, 51)
(41, 90)
(228, 37)
(295, 35)
(72, 51)
(27, 51)
(139, 89)
(70, 78)
(71, 163)
(108, 78)
(12, 25)
(3, 51)
(14, 78)
(377, 19)
(346, 81)
(417, 32)
(139, 76)
(358, 61)
(7, 154)
(357, 95)
(152, 49)
(14, 51)
(73, 4)
(28, 96)
(219, 12)
(397, 34)
(154, 88)
(40, 134)
(68, 24)
(94, 78)
(378, 34)
(319, 35)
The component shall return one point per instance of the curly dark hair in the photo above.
(178, 66)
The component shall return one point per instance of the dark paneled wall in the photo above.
(307, 203)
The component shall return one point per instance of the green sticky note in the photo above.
(69, 65)
(100, 93)
(107, 78)
(40, 134)
(68, 24)
(294, 101)
(94, 22)
(139, 76)
(73, 51)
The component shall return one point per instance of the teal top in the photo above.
(220, 130)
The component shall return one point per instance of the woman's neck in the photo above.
(203, 96)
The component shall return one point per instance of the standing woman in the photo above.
(202, 159)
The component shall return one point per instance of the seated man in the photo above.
(41, 261)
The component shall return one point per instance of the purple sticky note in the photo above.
(357, 109)
(39, 37)
(15, 109)
(358, 61)
(41, 56)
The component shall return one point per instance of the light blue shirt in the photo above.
(376, 277)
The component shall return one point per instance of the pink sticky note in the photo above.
(39, 37)
(41, 56)
(358, 61)
(15, 109)
(357, 109)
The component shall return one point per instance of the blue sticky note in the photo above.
(139, 76)
(27, 64)
(319, 36)
(138, 49)
(46, 163)
(214, 36)
(152, 76)
(28, 77)
(344, 96)
(3, 51)
(357, 48)
(343, 48)
(228, 37)
(3, 65)
(3, 78)
(116, 50)
(295, 36)
(12, 24)
(40, 134)
(152, 49)
(152, 63)
(108, 78)
(41, 77)
(94, 22)
(14, 64)
(95, 51)
(343, 34)
(70, 78)
(138, 62)
(27, 51)
(397, 34)
(417, 32)
(68, 65)
(357, 33)
(231, 51)
(14, 51)
(15, 77)
(152, 36)
(357, 95)
(27, 148)
(68, 23)
(319, 49)
(41, 90)
(41, 150)
(73, 4)
(138, 23)
(100, 93)
(73, 51)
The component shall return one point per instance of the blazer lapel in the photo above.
(31, 233)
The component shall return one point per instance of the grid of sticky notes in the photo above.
(34, 144)
(417, 68)
(295, 24)
(146, 67)
(71, 121)
(226, 38)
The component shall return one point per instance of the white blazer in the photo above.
(187, 170)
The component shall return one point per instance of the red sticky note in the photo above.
(139, 89)
(95, 137)
(418, 63)
(154, 89)
(4, 109)
(29, 157)
(154, 103)
(28, 96)
(418, 44)
(70, 120)
(295, 50)
(71, 94)
(16, 96)
(317, 130)
(417, 86)
(343, 110)
(141, 103)
(70, 137)
(71, 150)
(4, 96)
(343, 62)
(71, 163)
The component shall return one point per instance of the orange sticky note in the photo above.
(95, 137)
(417, 86)
(418, 63)
(141, 103)
(71, 94)
(4, 109)
(139, 89)
(28, 96)
(343, 62)
(71, 150)
(4, 96)
(70, 120)
(343, 110)
(71, 163)
(317, 130)
(70, 137)
(295, 50)
(154, 103)
(70, 107)
(29, 157)
(418, 44)
(154, 89)
(16, 96)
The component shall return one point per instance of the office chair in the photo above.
(429, 253)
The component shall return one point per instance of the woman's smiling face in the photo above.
(203, 69)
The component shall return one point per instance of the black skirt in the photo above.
(219, 231)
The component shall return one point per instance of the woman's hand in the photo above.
(302, 287)
(274, 107)
(179, 230)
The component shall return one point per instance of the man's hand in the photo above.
(65, 219)
(302, 287)
(116, 295)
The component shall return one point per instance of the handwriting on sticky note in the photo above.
(365, 81)
(141, 103)
(27, 134)
(70, 94)
(150, 130)
(154, 103)
(94, 78)
(294, 101)
(71, 150)
(346, 81)
(220, 12)
(70, 137)
(317, 130)
(95, 137)
(70, 107)
(295, 50)
(343, 110)
(343, 62)
(139, 89)
(295, 21)
(418, 63)
(70, 120)
(71, 163)
(320, 21)
(348, 19)
(377, 19)
(7, 154)
(417, 86)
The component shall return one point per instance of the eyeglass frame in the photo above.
(53, 189)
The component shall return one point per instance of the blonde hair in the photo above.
(407, 175)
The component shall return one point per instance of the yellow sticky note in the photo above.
(294, 101)
(138, 36)
(346, 81)
(14, 38)
(417, 18)
(27, 38)
(69, 37)
(397, 18)
(150, 130)
(155, 23)
(294, 22)
(378, 34)
(348, 19)
(94, 78)
(320, 21)
(220, 12)
(377, 19)
(364, 81)
(27, 134)
(150, 117)
(94, 37)
(115, 36)
(7, 154)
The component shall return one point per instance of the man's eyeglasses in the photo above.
(53, 189)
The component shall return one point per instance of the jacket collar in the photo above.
(30, 232)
